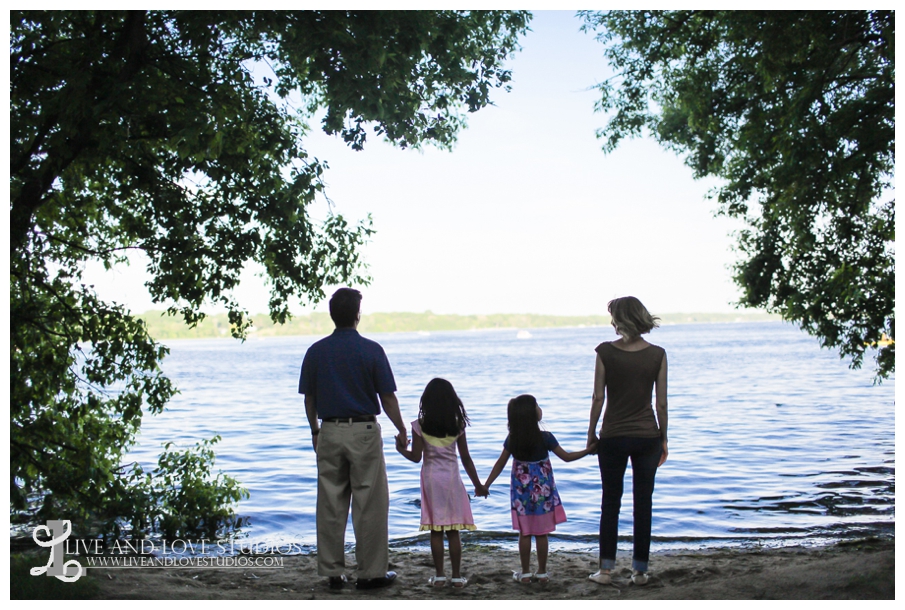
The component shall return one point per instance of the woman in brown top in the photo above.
(626, 372)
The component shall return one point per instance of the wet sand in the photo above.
(853, 570)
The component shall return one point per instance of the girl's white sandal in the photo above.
(522, 578)
(437, 581)
(542, 578)
(458, 582)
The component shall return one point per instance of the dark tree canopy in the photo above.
(795, 112)
(146, 130)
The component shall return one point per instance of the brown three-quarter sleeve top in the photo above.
(630, 378)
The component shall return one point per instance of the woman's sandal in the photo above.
(437, 581)
(524, 579)
(458, 582)
(640, 578)
(601, 577)
(542, 577)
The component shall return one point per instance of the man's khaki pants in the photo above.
(350, 464)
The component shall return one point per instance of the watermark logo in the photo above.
(144, 553)
(58, 531)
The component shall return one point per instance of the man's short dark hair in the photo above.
(344, 307)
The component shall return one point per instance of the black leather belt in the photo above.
(352, 420)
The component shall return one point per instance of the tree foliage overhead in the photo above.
(795, 112)
(147, 130)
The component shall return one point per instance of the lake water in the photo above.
(773, 441)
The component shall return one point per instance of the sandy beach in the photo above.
(853, 570)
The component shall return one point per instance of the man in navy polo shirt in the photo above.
(342, 378)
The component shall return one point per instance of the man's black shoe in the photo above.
(337, 582)
(376, 583)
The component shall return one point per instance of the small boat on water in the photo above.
(523, 334)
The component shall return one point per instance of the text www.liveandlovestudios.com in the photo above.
(69, 558)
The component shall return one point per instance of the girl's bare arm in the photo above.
(497, 469)
(413, 454)
(468, 464)
(571, 456)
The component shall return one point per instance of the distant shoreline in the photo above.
(163, 327)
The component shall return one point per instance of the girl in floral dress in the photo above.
(437, 433)
(536, 506)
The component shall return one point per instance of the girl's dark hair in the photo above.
(441, 412)
(524, 431)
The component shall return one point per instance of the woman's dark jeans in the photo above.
(613, 455)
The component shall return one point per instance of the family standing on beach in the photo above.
(346, 379)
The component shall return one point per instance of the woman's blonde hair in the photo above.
(631, 317)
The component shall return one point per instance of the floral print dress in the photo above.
(536, 505)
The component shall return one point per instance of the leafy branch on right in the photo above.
(795, 112)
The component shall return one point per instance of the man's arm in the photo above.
(391, 408)
(311, 412)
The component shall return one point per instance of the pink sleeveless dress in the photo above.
(444, 501)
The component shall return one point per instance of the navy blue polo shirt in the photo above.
(345, 372)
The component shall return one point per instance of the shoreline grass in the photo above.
(162, 327)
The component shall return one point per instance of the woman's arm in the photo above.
(468, 464)
(596, 400)
(497, 469)
(571, 456)
(413, 454)
(662, 417)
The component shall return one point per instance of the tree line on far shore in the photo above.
(163, 327)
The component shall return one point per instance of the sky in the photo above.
(526, 215)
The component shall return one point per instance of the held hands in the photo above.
(592, 443)
(402, 441)
(481, 491)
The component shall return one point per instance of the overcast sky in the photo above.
(527, 214)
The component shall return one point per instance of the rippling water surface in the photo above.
(772, 440)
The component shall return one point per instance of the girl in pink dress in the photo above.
(445, 507)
